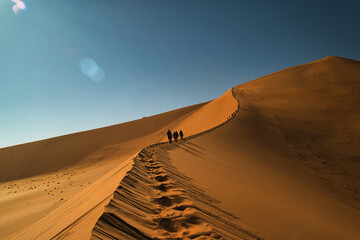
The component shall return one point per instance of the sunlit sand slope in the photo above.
(156, 201)
(212, 114)
(288, 164)
(51, 155)
(58, 187)
(40, 177)
(285, 167)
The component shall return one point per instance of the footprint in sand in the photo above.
(171, 209)
(162, 178)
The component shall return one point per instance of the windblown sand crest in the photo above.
(285, 166)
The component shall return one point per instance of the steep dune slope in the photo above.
(50, 155)
(212, 114)
(156, 201)
(288, 164)
(39, 177)
(76, 174)
(316, 107)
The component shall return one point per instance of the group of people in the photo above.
(232, 115)
(175, 135)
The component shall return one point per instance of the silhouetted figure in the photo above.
(169, 134)
(181, 134)
(176, 136)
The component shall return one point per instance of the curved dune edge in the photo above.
(227, 100)
(259, 130)
(209, 116)
(288, 163)
(75, 217)
(156, 201)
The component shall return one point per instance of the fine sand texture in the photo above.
(262, 168)
(288, 163)
(59, 186)
(156, 201)
(274, 158)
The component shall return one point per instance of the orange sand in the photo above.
(288, 164)
(285, 167)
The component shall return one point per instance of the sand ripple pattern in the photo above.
(156, 201)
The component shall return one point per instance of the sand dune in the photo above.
(57, 175)
(85, 148)
(263, 166)
(156, 201)
(286, 166)
(288, 163)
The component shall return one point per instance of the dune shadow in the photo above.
(190, 150)
(194, 145)
(239, 121)
(186, 148)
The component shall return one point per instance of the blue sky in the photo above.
(156, 55)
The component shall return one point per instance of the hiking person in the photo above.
(169, 134)
(176, 135)
(181, 134)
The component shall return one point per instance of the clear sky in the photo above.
(73, 65)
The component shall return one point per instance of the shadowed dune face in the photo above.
(315, 108)
(155, 201)
(262, 165)
(288, 164)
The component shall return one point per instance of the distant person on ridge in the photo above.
(169, 134)
(181, 134)
(176, 135)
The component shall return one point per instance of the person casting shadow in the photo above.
(169, 134)
(181, 134)
(175, 135)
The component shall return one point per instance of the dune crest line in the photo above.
(155, 201)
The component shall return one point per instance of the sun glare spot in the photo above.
(90, 68)
(15, 9)
(19, 5)
(98, 76)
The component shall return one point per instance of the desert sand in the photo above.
(288, 163)
(274, 158)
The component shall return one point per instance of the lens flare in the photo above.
(15, 9)
(98, 76)
(19, 5)
(90, 68)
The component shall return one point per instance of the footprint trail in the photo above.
(156, 201)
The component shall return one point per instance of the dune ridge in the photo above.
(290, 154)
(66, 173)
(85, 148)
(284, 166)
(155, 201)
